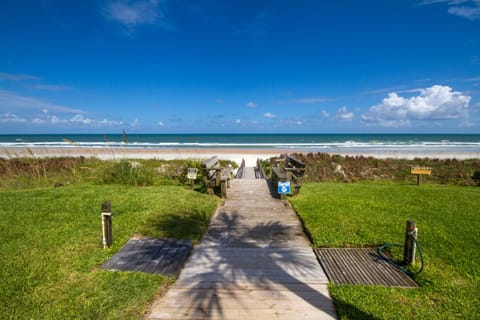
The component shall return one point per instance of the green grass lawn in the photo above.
(367, 214)
(51, 248)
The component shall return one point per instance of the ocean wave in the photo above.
(350, 144)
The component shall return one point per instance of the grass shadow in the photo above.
(182, 224)
(350, 311)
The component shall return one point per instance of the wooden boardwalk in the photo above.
(254, 262)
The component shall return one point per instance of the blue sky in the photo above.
(184, 66)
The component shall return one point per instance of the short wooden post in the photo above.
(218, 177)
(223, 189)
(409, 249)
(419, 179)
(107, 235)
(210, 191)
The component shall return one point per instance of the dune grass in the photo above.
(367, 214)
(51, 248)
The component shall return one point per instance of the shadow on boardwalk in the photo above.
(227, 271)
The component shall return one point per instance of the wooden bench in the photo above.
(289, 169)
(215, 176)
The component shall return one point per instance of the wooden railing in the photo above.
(289, 169)
(216, 176)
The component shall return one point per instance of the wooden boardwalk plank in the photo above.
(254, 262)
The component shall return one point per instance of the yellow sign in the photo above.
(421, 170)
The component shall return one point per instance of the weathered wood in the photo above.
(409, 247)
(289, 169)
(254, 262)
(210, 162)
(294, 162)
(107, 228)
(223, 188)
(279, 174)
(215, 176)
(239, 174)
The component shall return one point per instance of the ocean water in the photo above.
(423, 144)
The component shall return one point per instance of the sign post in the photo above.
(283, 188)
(107, 237)
(410, 246)
(419, 171)
(192, 175)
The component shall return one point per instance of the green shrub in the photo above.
(128, 173)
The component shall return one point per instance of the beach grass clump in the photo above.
(52, 248)
(322, 167)
(28, 173)
(19, 173)
(128, 173)
(370, 214)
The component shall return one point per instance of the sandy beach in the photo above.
(236, 155)
(250, 155)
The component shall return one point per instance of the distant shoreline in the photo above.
(250, 155)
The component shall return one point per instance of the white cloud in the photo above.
(135, 123)
(11, 118)
(470, 12)
(450, 2)
(476, 79)
(51, 87)
(10, 100)
(56, 120)
(251, 104)
(238, 121)
(269, 115)
(469, 9)
(313, 100)
(432, 104)
(17, 77)
(45, 118)
(325, 113)
(38, 121)
(344, 115)
(160, 123)
(81, 120)
(110, 123)
(135, 13)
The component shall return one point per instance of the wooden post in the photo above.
(409, 249)
(218, 176)
(223, 189)
(419, 179)
(107, 235)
